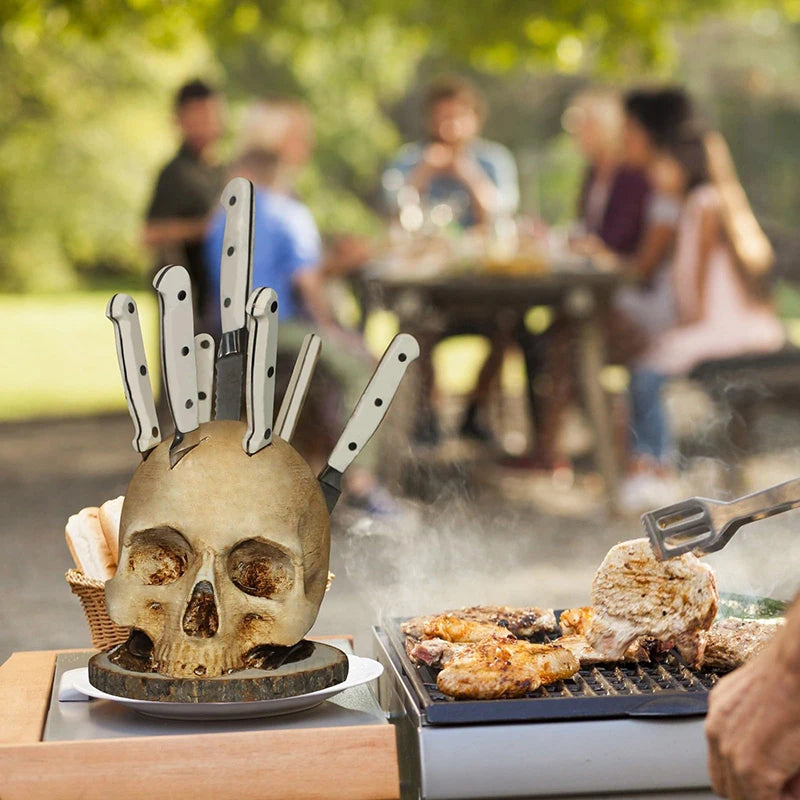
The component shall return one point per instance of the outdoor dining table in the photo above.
(425, 303)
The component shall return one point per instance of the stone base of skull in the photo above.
(222, 557)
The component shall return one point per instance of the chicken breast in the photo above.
(492, 669)
(634, 594)
(520, 621)
(733, 641)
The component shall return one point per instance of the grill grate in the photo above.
(664, 687)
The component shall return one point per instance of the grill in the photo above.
(665, 687)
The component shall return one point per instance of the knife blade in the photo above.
(204, 355)
(124, 315)
(236, 277)
(262, 354)
(177, 357)
(297, 390)
(368, 413)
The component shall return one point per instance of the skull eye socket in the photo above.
(158, 556)
(260, 569)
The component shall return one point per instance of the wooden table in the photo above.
(426, 304)
(280, 760)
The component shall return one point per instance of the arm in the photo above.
(753, 723)
(709, 236)
(484, 194)
(653, 249)
(173, 230)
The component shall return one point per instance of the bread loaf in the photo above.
(110, 512)
(88, 546)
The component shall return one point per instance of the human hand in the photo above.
(438, 157)
(753, 729)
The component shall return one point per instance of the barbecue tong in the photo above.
(702, 526)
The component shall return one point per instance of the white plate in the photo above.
(361, 670)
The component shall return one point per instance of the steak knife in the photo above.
(297, 390)
(236, 277)
(124, 315)
(177, 357)
(262, 354)
(204, 355)
(368, 414)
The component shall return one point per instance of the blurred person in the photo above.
(285, 126)
(613, 198)
(477, 179)
(629, 221)
(722, 308)
(753, 722)
(188, 188)
(287, 256)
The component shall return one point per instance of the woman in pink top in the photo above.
(720, 261)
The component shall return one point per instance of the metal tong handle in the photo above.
(758, 505)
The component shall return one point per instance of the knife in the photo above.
(297, 390)
(124, 315)
(368, 414)
(204, 355)
(236, 278)
(262, 353)
(177, 357)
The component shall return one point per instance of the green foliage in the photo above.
(84, 121)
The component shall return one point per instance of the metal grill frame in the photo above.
(665, 687)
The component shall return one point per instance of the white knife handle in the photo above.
(204, 355)
(236, 265)
(122, 312)
(177, 345)
(374, 402)
(297, 390)
(262, 354)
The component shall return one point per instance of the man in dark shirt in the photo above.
(188, 188)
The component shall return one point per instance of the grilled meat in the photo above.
(575, 621)
(733, 641)
(634, 594)
(432, 652)
(455, 629)
(493, 668)
(520, 621)
(640, 651)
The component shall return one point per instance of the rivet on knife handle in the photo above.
(204, 355)
(262, 352)
(177, 357)
(297, 390)
(124, 315)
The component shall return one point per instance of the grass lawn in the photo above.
(59, 357)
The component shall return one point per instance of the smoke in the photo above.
(456, 551)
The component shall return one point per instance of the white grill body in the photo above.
(627, 758)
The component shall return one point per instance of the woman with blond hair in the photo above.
(612, 204)
(720, 264)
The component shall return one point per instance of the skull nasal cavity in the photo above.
(200, 618)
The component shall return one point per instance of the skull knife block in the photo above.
(221, 556)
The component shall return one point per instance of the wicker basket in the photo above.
(91, 593)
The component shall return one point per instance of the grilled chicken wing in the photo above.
(454, 629)
(733, 641)
(520, 621)
(575, 621)
(634, 594)
(639, 652)
(493, 668)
